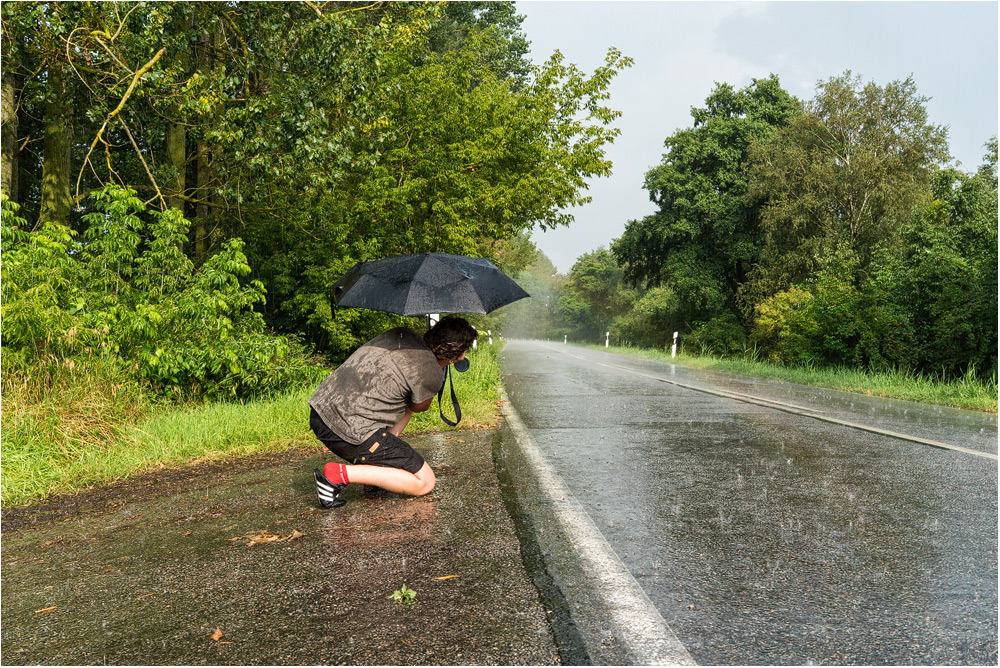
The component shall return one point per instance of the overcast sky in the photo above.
(681, 48)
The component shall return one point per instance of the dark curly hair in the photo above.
(450, 337)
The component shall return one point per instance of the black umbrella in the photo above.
(425, 283)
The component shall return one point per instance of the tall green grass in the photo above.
(970, 392)
(65, 431)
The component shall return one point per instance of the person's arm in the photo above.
(398, 428)
(420, 383)
(421, 407)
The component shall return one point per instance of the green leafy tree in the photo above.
(841, 179)
(460, 159)
(943, 272)
(537, 317)
(650, 320)
(705, 236)
(319, 134)
(928, 302)
(461, 20)
(595, 295)
(36, 66)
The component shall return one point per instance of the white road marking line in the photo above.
(647, 637)
(789, 408)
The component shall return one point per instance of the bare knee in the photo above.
(427, 480)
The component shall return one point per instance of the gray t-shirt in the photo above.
(372, 388)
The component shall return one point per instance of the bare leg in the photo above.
(394, 480)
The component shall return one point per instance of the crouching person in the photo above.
(361, 409)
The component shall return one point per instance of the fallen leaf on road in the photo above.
(445, 577)
(263, 537)
(268, 537)
(217, 634)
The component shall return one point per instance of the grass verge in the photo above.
(67, 430)
(969, 392)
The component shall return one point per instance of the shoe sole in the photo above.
(328, 493)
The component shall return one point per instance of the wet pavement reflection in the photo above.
(765, 537)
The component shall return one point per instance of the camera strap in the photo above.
(454, 399)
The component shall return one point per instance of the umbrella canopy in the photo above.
(425, 283)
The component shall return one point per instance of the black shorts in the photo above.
(380, 449)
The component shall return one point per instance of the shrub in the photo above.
(785, 329)
(722, 335)
(650, 320)
(831, 322)
(127, 293)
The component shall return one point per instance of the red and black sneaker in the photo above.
(327, 492)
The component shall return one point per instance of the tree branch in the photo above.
(152, 180)
(114, 113)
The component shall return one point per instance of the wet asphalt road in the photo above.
(763, 535)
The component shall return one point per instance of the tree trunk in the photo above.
(176, 135)
(202, 211)
(8, 165)
(55, 200)
(176, 141)
(205, 180)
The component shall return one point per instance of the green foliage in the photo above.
(705, 236)
(594, 296)
(461, 19)
(840, 180)
(127, 293)
(723, 335)
(928, 301)
(830, 322)
(321, 134)
(457, 158)
(650, 320)
(784, 326)
(943, 274)
(404, 595)
(826, 237)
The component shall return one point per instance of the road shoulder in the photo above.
(147, 571)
